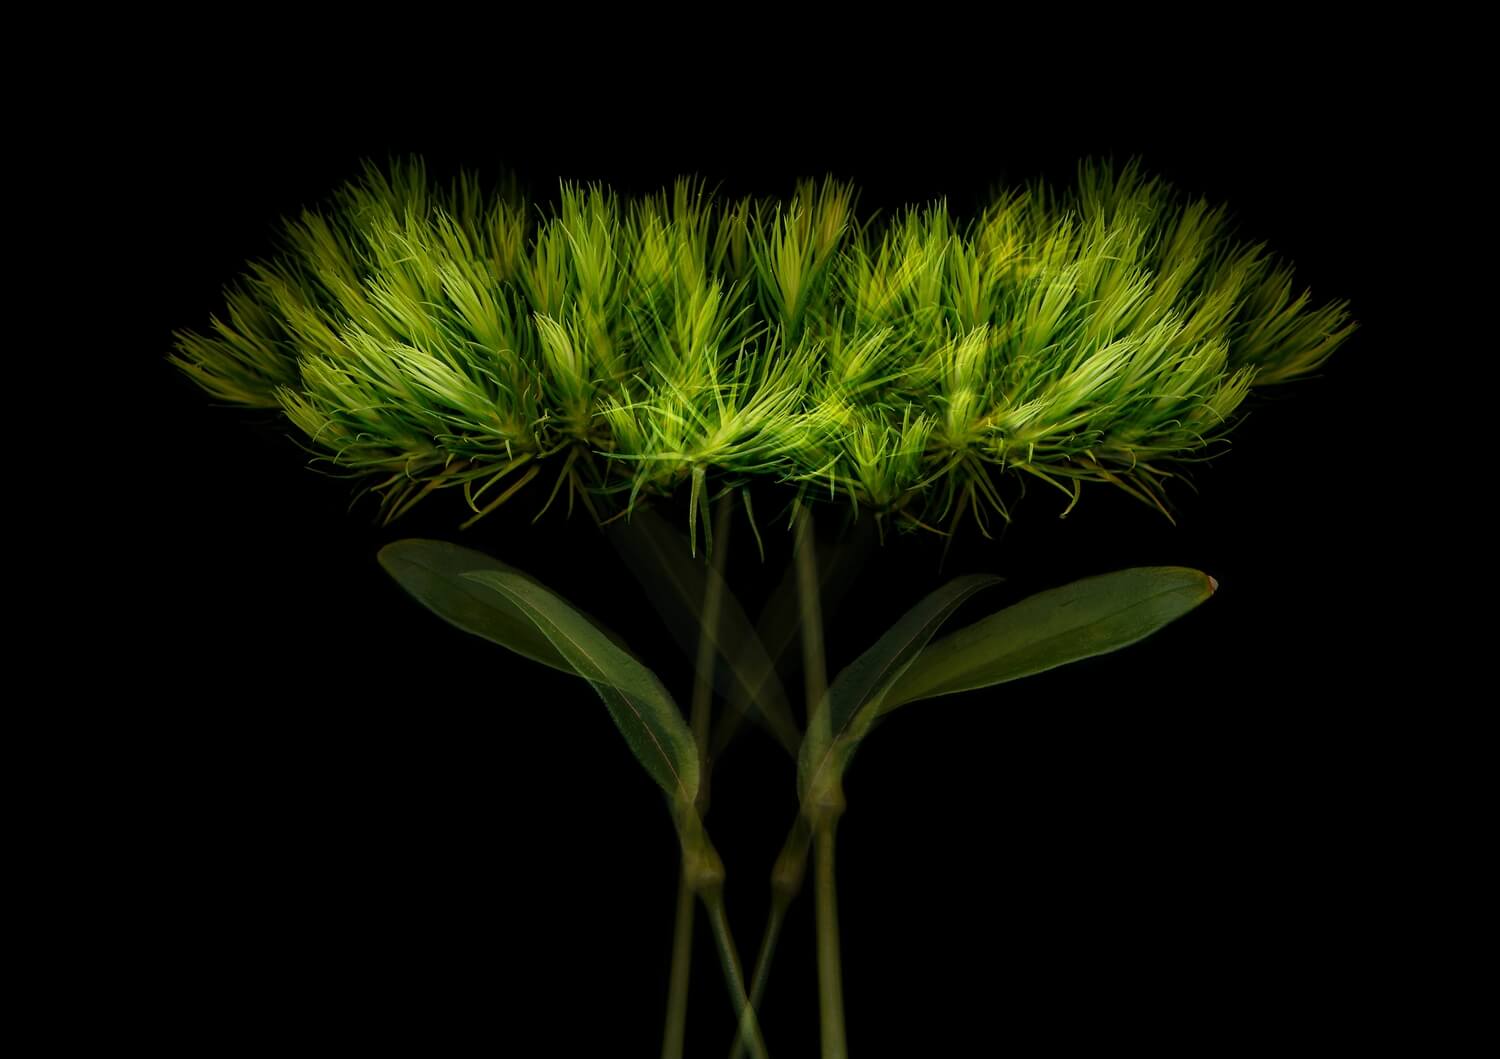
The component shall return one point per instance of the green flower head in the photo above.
(430, 337)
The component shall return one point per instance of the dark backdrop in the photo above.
(333, 818)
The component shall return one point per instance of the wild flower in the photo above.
(428, 337)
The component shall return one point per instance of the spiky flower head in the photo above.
(434, 337)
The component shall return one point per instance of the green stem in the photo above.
(830, 970)
(713, 902)
(822, 806)
(762, 972)
(786, 884)
(700, 717)
(814, 666)
(682, 962)
(708, 616)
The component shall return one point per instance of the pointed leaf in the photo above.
(641, 707)
(432, 571)
(1089, 617)
(855, 695)
(677, 584)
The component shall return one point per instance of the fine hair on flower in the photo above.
(428, 336)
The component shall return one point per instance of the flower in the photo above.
(434, 337)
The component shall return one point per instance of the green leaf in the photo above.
(677, 584)
(486, 597)
(1089, 617)
(855, 696)
(432, 571)
(641, 707)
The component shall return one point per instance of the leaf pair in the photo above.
(1093, 616)
(1089, 617)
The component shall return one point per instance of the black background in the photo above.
(329, 818)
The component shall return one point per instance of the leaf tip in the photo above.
(1213, 584)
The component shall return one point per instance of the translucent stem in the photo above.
(822, 806)
(708, 617)
(682, 964)
(699, 720)
(830, 969)
(749, 1030)
(763, 966)
(786, 884)
(814, 665)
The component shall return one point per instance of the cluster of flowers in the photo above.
(436, 337)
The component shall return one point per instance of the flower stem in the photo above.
(713, 902)
(822, 806)
(762, 966)
(708, 618)
(682, 962)
(830, 970)
(786, 883)
(699, 720)
(814, 665)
